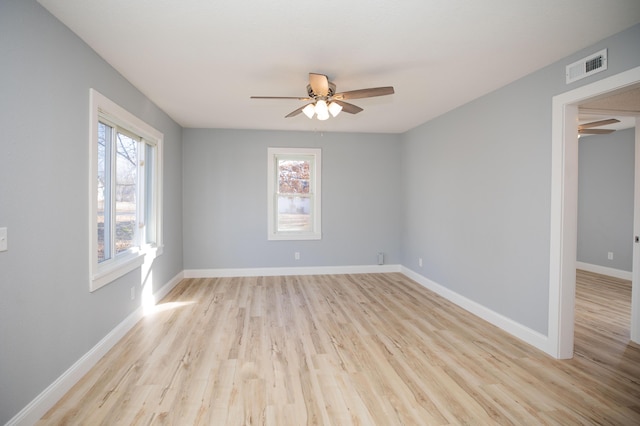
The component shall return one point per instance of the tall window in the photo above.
(294, 194)
(126, 190)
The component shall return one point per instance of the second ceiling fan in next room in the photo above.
(590, 128)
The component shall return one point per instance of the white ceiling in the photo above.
(201, 60)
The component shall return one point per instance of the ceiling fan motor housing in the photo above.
(332, 91)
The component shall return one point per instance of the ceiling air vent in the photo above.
(586, 66)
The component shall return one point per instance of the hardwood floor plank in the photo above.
(354, 349)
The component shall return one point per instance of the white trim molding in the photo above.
(312, 156)
(274, 272)
(564, 208)
(37, 408)
(54, 392)
(635, 263)
(519, 331)
(103, 110)
(532, 337)
(604, 270)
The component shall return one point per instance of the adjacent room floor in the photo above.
(354, 349)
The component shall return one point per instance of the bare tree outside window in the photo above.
(121, 215)
(126, 192)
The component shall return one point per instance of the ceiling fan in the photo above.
(324, 99)
(588, 128)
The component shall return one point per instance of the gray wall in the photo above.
(225, 199)
(477, 190)
(468, 192)
(605, 199)
(48, 317)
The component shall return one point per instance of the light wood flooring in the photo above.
(373, 349)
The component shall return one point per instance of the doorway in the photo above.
(606, 185)
(564, 195)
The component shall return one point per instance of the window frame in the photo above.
(315, 184)
(108, 112)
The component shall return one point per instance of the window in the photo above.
(294, 194)
(125, 191)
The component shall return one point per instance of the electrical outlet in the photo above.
(420, 262)
(4, 246)
(133, 293)
(610, 255)
(296, 255)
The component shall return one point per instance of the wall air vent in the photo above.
(592, 64)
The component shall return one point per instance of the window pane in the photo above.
(104, 188)
(149, 214)
(294, 203)
(126, 192)
(293, 176)
(294, 213)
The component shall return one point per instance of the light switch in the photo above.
(3, 239)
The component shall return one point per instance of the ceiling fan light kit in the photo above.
(326, 102)
(322, 110)
(309, 110)
(335, 108)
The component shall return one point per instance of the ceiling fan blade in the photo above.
(598, 123)
(280, 97)
(595, 131)
(319, 84)
(350, 108)
(365, 93)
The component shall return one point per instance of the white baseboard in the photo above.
(604, 270)
(37, 408)
(298, 270)
(526, 334)
(52, 394)
(165, 289)
(532, 337)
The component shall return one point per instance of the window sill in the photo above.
(113, 270)
(122, 265)
(294, 236)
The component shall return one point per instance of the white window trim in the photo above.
(105, 272)
(272, 183)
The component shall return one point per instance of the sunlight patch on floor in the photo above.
(154, 309)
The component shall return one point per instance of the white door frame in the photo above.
(564, 213)
(635, 270)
